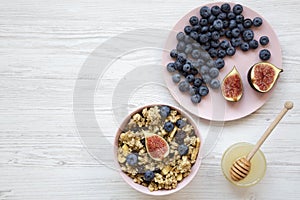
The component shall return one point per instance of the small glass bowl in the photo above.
(258, 164)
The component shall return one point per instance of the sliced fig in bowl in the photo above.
(232, 86)
(157, 147)
(262, 76)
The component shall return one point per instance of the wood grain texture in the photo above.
(43, 45)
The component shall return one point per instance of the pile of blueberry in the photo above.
(202, 47)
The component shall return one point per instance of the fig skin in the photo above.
(252, 80)
(232, 74)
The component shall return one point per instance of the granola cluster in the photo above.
(183, 148)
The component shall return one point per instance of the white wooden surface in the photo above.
(43, 45)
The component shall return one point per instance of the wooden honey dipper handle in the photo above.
(287, 106)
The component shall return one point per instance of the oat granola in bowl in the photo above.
(157, 149)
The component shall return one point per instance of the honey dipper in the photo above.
(241, 167)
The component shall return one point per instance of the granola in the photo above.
(183, 145)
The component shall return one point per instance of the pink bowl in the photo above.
(144, 189)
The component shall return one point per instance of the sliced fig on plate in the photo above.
(232, 86)
(262, 76)
(157, 147)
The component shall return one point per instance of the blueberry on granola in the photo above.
(164, 111)
(148, 176)
(168, 126)
(132, 159)
(183, 149)
(180, 123)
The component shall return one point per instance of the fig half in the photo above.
(157, 147)
(232, 86)
(262, 76)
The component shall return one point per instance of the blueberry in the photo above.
(215, 35)
(168, 126)
(203, 90)
(171, 67)
(187, 29)
(239, 18)
(181, 58)
(228, 34)
(204, 70)
(218, 24)
(264, 40)
(235, 32)
(244, 46)
(215, 44)
(247, 23)
(203, 38)
(206, 46)
(194, 35)
(213, 52)
(205, 12)
(219, 63)
(190, 78)
(222, 16)
(215, 10)
(164, 111)
(206, 79)
(132, 159)
(225, 24)
(194, 20)
(196, 54)
(204, 29)
(210, 63)
(257, 21)
(237, 9)
(224, 44)
(211, 19)
(221, 53)
(186, 67)
(174, 53)
(209, 33)
(180, 36)
(225, 7)
(194, 71)
(230, 51)
(214, 84)
(180, 123)
(203, 22)
(231, 15)
(180, 46)
(148, 176)
(236, 42)
(264, 54)
(178, 65)
(253, 44)
(183, 149)
(196, 28)
(198, 82)
(193, 90)
(196, 45)
(176, 78)
(179, 136)
(188, 39)
(196, 98)
(248, 35)
(232, 24)
(213, 72)
(241, 27)
(183, 86)
(188, 49)
(205, 56)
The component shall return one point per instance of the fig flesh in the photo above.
(232, 86)
(157, 147)
(262, 76)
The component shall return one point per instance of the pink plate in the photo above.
(214, 106)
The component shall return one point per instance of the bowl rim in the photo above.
(144, 189)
